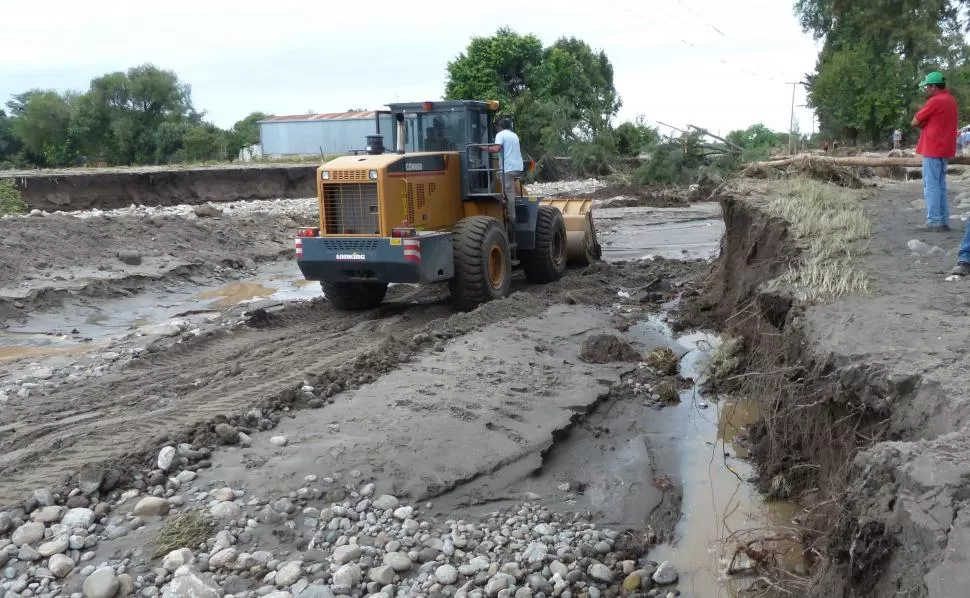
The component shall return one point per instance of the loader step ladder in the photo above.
(477, 154)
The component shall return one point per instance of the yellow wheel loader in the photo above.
(432, 210)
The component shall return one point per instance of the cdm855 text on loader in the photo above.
(433, 210)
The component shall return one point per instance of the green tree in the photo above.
(42, 125)
(9, 143)
(632, 138)
(880, 49)
(561, 95)
(201, 143)
(494, 68)
(244, 133)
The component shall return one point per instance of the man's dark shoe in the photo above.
(936, 228)
(961, 269)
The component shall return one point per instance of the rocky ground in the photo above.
(291, 450)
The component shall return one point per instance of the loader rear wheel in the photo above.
(354, 296)
(547, 262)
(483, 265)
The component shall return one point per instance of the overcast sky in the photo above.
(723, 65)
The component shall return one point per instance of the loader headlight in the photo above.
(325, 175)
(372, 175)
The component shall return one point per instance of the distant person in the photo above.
(507, 142)
(897, 139)
(825, 146)
(937, 144)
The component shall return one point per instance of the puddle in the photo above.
(86, 323)
(720, 508)
(673, 233)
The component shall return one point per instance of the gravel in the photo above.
(355, 546)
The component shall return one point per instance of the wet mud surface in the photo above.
(469, 412)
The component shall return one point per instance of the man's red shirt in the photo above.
(939, 117)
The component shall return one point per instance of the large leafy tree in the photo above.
(865, 81)
(43, 126)
(561, 95)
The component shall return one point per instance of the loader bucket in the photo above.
(582, 248)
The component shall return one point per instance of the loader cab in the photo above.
(450, 126)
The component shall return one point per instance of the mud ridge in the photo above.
(832, 431)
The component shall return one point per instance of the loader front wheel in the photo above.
(354, 296)
(483, 265)
(547, 262)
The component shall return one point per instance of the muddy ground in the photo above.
(146, 328)
(872, 415)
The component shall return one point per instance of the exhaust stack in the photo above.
(400, 133)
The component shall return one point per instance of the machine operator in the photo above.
(507, 142)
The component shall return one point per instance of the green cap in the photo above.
(934, 78)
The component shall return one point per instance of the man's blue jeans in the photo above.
(934, 191)
(965, 246)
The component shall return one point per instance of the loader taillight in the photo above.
(308, 231)
(412, 250)
(299, 247)
(404, 232)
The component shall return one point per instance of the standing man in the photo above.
(937, 144)
(507, 142)
(897, 138)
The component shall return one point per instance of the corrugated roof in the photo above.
(327, 116)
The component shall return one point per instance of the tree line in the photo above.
(142, 116)
(562, 97)
(564, 103)
(874, 54)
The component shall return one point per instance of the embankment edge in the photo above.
(834, 431)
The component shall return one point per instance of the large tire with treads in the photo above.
(547, 262)
(483, 262)
(354, 296)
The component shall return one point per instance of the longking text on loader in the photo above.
(433, 210)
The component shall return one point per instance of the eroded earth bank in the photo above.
(854, 345)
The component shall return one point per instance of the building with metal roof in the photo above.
(320, 134)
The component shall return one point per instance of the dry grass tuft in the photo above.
(667, 391)
(185, 530)
(724, 360)
(835, 225)
(10, 201)
(663, 360)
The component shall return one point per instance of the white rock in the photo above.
(544, 529)
(446, 574)
(189, 585)
(60, 565)
(382, 575)
(279, 440)
(347, 575)
(385, 502)
(28, 533)
(177, 558)
(558, 568)
(48, 514)
(42, 373)
(665, 574)
(290, 573)
(600, 572)
(58, 545)
(103, 583)
(224, 494)
(367, 490)
(223, 558)
(78, 518)
(151, 506)
(345, 554)
(397, 561)
(403, 513)
(225, 510)
(166, 457)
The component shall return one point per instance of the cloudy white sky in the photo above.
(722, 65)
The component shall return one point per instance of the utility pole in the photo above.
(791, 123)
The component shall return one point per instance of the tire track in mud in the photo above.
(120, 420)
